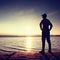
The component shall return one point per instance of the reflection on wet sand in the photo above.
(55, 55)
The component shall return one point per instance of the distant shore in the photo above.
(27, 35)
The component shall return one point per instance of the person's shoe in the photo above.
(49, 51)
(42, 52)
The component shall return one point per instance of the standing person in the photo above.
(46, 27)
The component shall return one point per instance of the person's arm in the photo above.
(41, 25)
(50, 26)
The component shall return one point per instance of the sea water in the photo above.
(26, 43)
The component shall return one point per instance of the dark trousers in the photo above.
(47, 37)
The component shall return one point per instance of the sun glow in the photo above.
(28, 43)
(24, 23)
(29, 30)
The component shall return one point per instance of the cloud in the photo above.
(54, 13)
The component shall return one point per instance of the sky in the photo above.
(22, 17)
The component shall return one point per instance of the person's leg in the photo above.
(43, 43)
(49, 43)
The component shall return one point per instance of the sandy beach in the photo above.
(33, 55)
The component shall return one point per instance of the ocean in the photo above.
(26, 43)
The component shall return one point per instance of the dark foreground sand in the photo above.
(33, 55)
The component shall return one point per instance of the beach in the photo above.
(32, 55)
(27, 48)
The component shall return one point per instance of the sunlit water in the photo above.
(26, 43)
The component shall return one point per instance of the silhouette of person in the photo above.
(45, 26)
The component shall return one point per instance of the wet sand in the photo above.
(33, 55)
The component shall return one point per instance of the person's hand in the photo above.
(49, 29)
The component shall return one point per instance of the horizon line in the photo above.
(26, 35)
